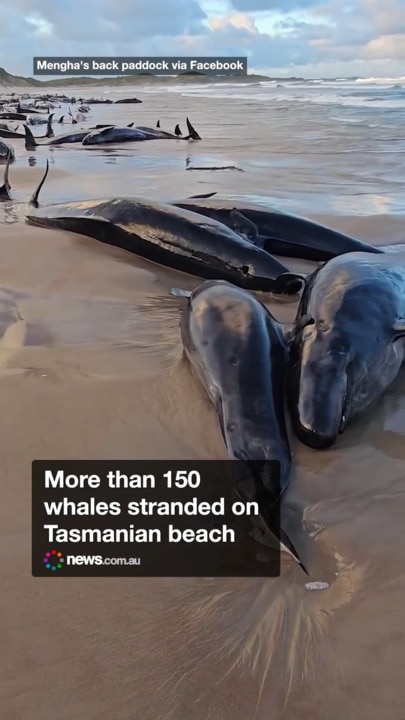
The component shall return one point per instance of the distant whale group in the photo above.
(109, 134)
(343, 350)
(35, 114)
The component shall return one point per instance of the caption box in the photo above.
(154, 519)
(112, 66)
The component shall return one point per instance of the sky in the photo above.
(307, 38)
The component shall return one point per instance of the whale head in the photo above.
(336, 370)
(323, 370)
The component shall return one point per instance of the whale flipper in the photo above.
(243, 226)
(34, 197)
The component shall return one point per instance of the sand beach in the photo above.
(91, 366)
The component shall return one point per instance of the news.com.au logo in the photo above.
(53, 560)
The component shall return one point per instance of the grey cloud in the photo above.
(124, 20)
(284, 6)
(387, 17)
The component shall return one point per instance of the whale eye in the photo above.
(231, 427)
(245, 269)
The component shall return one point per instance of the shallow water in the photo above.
(91, 366)
(306, 150)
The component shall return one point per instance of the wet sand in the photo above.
(91, 367)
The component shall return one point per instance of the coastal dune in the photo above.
(91, 367)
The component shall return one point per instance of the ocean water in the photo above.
(314, 147)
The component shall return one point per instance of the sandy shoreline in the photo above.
(107, 647)
(91, 367)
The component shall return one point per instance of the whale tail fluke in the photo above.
(193, 134)
(34, 197)
(269, 508)
(288, 547)
(6, 187)
(30, 142)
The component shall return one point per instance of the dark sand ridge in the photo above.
(90, 366)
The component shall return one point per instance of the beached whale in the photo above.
(28, 109)
(6, 187)
(348, 344)
(172, 237)
(6, 151)
(15, 134)
(164, 134)
(281, 233)
(75, 136)
(126, 100)
(114, 134)
(12, 116)
(36, 120)
(5, 133)
(238, 352)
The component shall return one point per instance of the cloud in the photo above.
(282, 37)
(42, 27)
(385, 47)
(236, 20)
(388, 17)
(93, 20)
(274, 6)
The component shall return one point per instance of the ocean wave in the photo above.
(381, 81)
(349, 94)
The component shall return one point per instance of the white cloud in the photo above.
(42, 26)
(237, 20)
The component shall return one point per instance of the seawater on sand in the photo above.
(91, 367)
